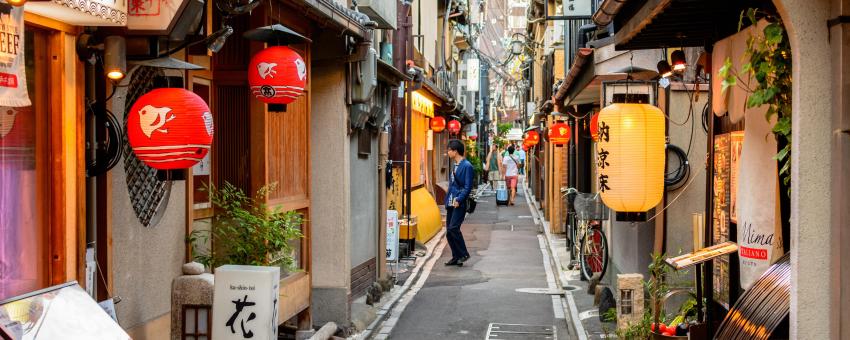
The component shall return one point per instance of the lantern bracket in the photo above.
(171, 175)
(276, 35)
(277, 107)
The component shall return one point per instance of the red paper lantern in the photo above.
(532, 137)
(559, 133)
(438, 124)
(170, 128)
(473, 137)
(277, 75)
(594, 126)
(454, 126)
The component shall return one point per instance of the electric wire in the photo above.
(684, 189)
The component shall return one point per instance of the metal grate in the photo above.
(519, 331)
(148, 194)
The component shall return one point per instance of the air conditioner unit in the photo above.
(382, 12)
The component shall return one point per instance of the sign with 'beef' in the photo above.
(13, 79)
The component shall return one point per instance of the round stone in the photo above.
(193, 268)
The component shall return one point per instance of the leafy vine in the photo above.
(768, 63)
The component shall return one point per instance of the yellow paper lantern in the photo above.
(630, 157)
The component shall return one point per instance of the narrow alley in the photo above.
(501, 292)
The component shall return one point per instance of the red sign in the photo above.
(753, 253)
(8, 80)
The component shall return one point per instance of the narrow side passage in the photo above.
(467, 302)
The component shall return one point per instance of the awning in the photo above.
(681, 23)
(609, 65)
(82, 12)
(389, 74)
(582, 58)
(338, 16)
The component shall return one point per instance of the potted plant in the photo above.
(246, 231)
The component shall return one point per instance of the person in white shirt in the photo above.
(511, 168)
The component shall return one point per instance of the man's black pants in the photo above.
(454, 218)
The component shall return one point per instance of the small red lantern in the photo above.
(454, 126)
(532, 138)
(170, 128)
(559, 133)
(594, 126)
(277, 75)
(473, 137)
(438, 124)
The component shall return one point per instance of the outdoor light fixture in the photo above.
(679, 60)
(664, 69)
(16, 3)
(631, 168)
(516, 47)
(220, 38)
(115, 57)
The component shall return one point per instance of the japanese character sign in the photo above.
(245, 303)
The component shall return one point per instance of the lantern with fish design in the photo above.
(277, 75)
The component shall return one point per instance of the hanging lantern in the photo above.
(170, 128)
(559, 133)
(438, 124)
(532, 137)
(594, 127)
(473, 137)
(454, 126)
(277, 75)
(630, 157)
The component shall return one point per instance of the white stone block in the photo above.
(245, 304)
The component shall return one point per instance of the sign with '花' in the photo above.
(13, 79)
(245, 303)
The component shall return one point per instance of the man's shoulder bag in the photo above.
(519, 165)
(470, 199)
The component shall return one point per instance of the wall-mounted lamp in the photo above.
(516, 47)
(664, 69)
(115, 57)
(16, 3)
(679, 60)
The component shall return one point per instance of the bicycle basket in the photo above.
(590, 207)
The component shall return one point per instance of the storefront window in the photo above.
(23, 246)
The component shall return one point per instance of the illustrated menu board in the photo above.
(721, 214)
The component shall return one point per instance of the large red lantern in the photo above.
(438, 124)
(170, 128)
(454, 126)
(532, 137)
(559, 133)
(594, 126)
(277, 75)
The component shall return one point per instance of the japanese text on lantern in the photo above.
(602, 155)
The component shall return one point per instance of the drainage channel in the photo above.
(519, 331)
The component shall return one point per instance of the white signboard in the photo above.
(152, 15)
(13, 78)
(756, 204)
(392, 235)
(82, 12)
(514, 134)
(472, 75)
(578, 8)
(245, 303)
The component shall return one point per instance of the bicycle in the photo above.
(591, 250)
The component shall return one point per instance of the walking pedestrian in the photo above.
(494, 166)
(460, 186)
(521, 156)
(511, 164)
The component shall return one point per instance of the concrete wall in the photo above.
(691, 199)
(364, 200)
(145, 260)
(330, 187)
(812, 303)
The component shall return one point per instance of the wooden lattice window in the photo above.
(197, 322)
(626, 301)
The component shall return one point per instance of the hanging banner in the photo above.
(759, 231)
(13, 78)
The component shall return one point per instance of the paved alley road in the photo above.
(463, 302)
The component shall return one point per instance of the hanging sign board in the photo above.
(756, 202)
(82, 12)
(245, 302)
(392, 235)
(13, 78)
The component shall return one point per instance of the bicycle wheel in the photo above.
(594, 254)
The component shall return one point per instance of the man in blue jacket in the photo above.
(460, 186)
